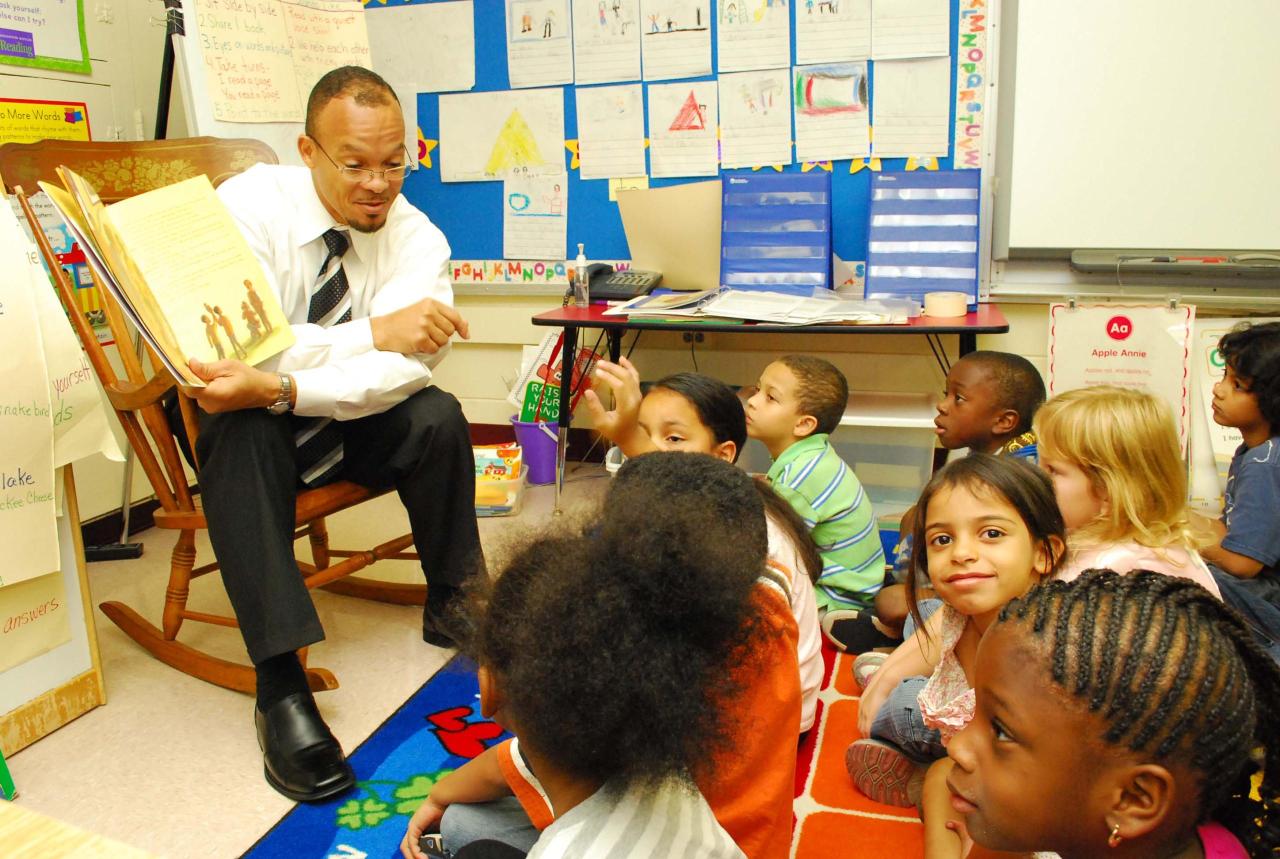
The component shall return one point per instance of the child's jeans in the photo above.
(501, 820)
(900, 724)
(899, 721)
(1255, 600)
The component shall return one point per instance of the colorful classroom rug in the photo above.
(436, 731)
(439, 728)
(832, 817)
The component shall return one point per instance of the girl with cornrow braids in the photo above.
(1121, 716)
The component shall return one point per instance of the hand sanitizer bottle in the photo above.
(580, 295)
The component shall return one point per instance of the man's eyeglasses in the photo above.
(360, 175)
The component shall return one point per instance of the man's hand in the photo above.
(233, 385)
(619, 424)
(423, 327)
(427, 816)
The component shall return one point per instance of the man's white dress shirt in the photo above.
(336, 370)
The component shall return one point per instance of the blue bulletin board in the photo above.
(470, 213)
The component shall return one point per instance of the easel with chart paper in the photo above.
(60, 684)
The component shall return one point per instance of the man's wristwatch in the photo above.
(282, 403)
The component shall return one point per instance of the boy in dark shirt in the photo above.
(1244, 559)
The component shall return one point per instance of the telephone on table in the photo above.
(605, 284)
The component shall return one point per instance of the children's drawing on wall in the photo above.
(682, 129)
(539, 50)
(676, 37)
(761, 94)
(692, 116)
(823, 7)
(617, 17)
(534, 217)
(833, 31)
(824, 91)
(503, 134)
(830, 104)
(754, 34)
(675, 16)
(606, 40)
(534, 20)
(755, 119)
(740, 12)
(515, 151)
(611, 132)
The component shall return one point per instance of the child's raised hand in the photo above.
(873, 697)
(427, 816)
(619, 423)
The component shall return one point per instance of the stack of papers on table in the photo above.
(776, 308)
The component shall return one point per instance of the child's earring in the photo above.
(1114, 839)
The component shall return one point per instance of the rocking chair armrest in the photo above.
(126, 396)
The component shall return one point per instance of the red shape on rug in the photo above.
(460, 737)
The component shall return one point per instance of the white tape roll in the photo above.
(946, 304)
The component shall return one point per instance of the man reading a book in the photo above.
(361, 276)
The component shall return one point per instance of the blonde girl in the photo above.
(1114, 459)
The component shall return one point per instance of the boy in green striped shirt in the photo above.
(799, 402)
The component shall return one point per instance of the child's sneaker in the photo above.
(884, 774)
(865, 665)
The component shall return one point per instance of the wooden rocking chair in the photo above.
(117, 171)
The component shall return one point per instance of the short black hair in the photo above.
(1253, 354)
(366, 87)
(716, 403)
(1017, 383)
(617, 644)
(823, 390)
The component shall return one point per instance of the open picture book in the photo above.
(180, 269)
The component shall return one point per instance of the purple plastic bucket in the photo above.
(537, 441)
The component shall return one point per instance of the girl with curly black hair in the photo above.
(636, 663)
(697, 413)
(1121, 716)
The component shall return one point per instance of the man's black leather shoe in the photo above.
(301, 758)
(436, 625)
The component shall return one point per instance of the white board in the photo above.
(1139, 124)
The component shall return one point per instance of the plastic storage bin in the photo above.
(496, 497)
(888, 440)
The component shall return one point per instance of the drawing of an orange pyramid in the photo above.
(514, 148)
(690, 117)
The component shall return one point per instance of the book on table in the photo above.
(180, 269)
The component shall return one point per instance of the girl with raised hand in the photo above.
(1121, 716)
(696, 413)
(987, 529)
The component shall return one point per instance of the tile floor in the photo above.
(171, 764)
